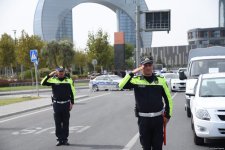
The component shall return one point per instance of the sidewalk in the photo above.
(34, 91)
(16, 108)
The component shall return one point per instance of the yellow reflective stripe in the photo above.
(168, 95)
(43, 80)
(124, 81)
(73, 88)
(137, 81)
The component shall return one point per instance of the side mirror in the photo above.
(182, 75)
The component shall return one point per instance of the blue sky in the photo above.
(185, 14)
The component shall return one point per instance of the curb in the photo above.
(34, 91)
(32, 109)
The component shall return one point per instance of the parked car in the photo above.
(174, 83)
(208, 108)
(105, 82)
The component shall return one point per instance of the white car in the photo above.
(208, 108)
(174, 83)
(105, 82)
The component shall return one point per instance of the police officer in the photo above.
(153, 102)
(63, 99)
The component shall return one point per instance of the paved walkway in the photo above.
(12, 109)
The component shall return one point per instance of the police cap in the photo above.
(60, 69)
(147, 60)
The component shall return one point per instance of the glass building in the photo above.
(205, 37)
(53, 19)
(221, 13)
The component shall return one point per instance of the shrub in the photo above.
(43, 72)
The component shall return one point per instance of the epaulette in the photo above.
(160, 76)
(138, 76)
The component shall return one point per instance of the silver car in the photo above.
(105, 82)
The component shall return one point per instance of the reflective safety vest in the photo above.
(150, 97)
(62, 89)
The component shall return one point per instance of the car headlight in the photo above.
(202, 114)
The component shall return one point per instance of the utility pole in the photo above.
(14, 35)
(137, 52)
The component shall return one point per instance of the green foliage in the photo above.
(43, 72)
(7, 51)
(27, 74)
(74, 77)
(80, 61)
(25, 44)
(129, 53)
(99, 48)
(59, 54)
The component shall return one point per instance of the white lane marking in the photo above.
(131, 143)
(83, 129)
(86, 99)
(44, 130)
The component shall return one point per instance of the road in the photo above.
(103, 121)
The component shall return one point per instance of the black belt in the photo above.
(61, 102)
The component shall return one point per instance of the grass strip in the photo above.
(8, 101)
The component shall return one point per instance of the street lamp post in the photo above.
(14, 35)
(137, 51)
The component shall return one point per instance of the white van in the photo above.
(201, 61)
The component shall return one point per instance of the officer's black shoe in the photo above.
(66, 143)
(59, 143)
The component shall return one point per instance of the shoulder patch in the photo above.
(160, 76)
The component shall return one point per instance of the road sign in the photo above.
(34, 55)
(157, 20)
(94, 62)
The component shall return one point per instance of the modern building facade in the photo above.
(205, 37)
(221, 13)
(53, 19)
(171, 56)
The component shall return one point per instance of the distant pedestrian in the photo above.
(153, 103)
(63, 97)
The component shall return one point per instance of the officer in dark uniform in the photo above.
(153, 103)
(63, 99)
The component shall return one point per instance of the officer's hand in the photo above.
(138, 69)
(166, 120)
(71, 106)
(52, 73)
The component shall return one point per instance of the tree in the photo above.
(59, 54)
(129, 54)
(66, 53)
(7, 51)
(99, 48)
(25, 44)
(80, 60)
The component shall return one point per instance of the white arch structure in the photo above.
(53, 19)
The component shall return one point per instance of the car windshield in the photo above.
(212, 87)
(207, 66)
(171, 76)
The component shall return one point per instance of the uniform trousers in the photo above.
(61, 117)
(151, 132)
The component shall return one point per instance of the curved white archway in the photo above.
(53, 19)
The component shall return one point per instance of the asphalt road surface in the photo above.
(103, 121)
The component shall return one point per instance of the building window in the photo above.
(216, 34)
(190, 35)
(222, 33)
(205, 34)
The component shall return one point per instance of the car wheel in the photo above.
(94, 88)
(188, 112)
(198, 140)
(192, 123)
